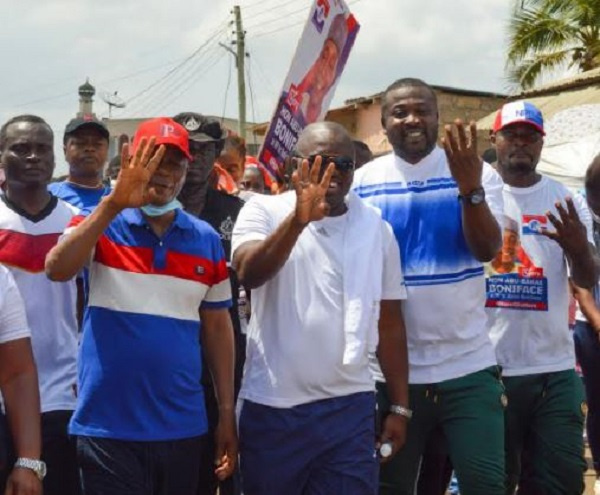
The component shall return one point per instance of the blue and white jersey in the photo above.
(444, 311)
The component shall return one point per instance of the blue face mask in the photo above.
(157, 211)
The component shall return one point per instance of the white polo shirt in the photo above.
(296, 343)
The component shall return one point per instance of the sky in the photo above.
(163, 57)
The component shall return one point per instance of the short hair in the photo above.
(113, 168)
(592, 176)
(407, 82)
(362, 153)
(235, 142)
(31, 119)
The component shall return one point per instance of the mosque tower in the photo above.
(86, 99)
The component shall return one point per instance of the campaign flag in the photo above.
(320, 58)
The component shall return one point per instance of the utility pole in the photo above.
(240, 60)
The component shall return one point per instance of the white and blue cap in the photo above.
(519, 112)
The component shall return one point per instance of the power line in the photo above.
(152, 99)
(270, 9)
(249, 74)
(227, 89)
(205, 70)
(180, 65)
(284, 16)
(280, 29)
(166, 85)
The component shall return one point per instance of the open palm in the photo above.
(131, 189)
(311, 205)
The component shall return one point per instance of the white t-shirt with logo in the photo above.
(296, 341)
(527, 283)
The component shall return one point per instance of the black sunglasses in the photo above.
(342, 163)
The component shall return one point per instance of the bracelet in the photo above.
(401, 411)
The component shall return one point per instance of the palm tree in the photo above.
(547, 34)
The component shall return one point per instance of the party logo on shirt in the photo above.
(226, 229)
(513, 281)
(199, 270)
(534, 224)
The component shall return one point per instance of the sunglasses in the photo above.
(342, 163)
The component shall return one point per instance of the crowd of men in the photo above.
(183, 323)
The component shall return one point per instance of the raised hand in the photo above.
(465, 165)
(131, 189)
(310, 191)
(570, 232)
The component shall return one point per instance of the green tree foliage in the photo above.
(547, 34)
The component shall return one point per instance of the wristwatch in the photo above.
(37, 466)
(401, 411)
(474, 198)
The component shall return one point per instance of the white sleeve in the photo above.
(13, 322)
(584, 215)
(254, 223)
(393, 286)
(493, 185)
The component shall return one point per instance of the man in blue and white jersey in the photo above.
(442, 206)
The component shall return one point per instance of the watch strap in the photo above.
(35, 465)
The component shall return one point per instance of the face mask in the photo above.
(157, 211)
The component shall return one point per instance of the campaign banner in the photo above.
(318, 63)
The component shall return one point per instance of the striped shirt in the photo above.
(140, 361)
(50, 307)
(444, 311)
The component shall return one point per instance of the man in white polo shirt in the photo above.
(323, 269)
(442, 207)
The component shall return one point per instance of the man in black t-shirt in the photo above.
(220, 210)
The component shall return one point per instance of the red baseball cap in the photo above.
(166, 131)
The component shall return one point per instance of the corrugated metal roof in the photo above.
(551, 98)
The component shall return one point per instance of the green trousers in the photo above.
(544, 433)
(470, 411)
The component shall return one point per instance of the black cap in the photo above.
(87, 120)
(201, 128)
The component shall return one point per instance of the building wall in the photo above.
(126, 127)
(363, 121)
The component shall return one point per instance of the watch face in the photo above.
(477, 197)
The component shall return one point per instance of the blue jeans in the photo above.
(587, 349)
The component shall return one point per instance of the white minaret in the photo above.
(86, 99)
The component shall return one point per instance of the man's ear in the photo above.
(493, 138)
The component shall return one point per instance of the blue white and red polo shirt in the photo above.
(140, 360)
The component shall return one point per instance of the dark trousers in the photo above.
(117, 467)
(58, 452)
(326, 447)
(436, 468)
(470, 412)
(544, 434)
(587, 348)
